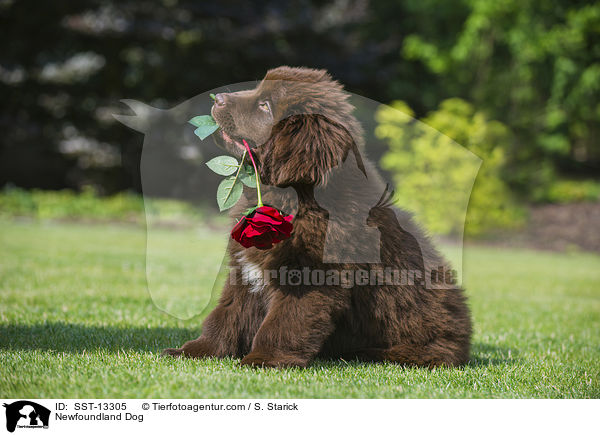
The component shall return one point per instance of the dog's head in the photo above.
(297, 122)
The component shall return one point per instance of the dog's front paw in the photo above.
(257, 359)
(175, 353)
(199, 348)
(263, 359)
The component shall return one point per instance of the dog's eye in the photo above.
(264, 105)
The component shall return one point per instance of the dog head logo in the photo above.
(26, 414)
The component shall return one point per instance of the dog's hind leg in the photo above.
(439, 352)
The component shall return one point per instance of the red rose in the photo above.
(262, 228)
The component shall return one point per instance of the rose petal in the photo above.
(262, 228)
(258, 217)
(269, 211)
(238, 228)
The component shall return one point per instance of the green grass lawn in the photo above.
(77, 320)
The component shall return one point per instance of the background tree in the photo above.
(534, 65)
(531, 64)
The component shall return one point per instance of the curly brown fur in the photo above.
(305, 142)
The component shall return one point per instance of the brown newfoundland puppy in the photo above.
(332, 290)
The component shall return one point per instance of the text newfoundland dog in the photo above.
(331, 290)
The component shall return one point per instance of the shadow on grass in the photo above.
(75, 338)
(67, 337)
(483, 354)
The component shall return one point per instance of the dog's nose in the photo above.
(219, 100)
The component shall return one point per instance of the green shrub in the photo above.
(17, 202)
(565, 191)
(434, 163)
(87, 205)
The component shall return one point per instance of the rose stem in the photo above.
(237, 174)
(260, 204)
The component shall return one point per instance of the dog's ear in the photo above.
(303, 149)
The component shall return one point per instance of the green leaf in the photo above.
(213, 96)
(250, 210)
(229, 192)
(247, 176)
(202, 120)
(223, 165)
(206, 125)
